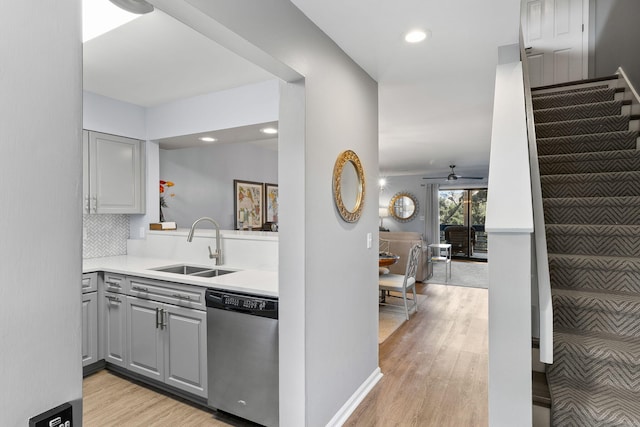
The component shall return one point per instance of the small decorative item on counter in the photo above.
(163, 201)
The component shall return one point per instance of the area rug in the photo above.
(463, 273)
(392, 317)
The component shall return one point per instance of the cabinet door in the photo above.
(116, 174)
(186, 349)
(86, 200)
(114, 328)
(89, 328)
(144, 338)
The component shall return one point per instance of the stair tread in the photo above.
(577, 402)
(591, 177)
(579, 92)
(624, 303)
(602, 262)
(591, 125)
(626, 230)
(616, 103)
(591, 201)
(589, 156)
(592, 137)
(610, 77)
(600, 345)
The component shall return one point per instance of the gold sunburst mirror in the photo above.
(403, 207)
(348, 186)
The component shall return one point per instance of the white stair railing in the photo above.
(509, 225)
(540, 280)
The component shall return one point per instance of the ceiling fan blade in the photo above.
(471, 177)
(434, 177)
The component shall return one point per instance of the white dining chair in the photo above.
(401, 284)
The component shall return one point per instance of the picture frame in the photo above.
(248, 204)
(271, 203)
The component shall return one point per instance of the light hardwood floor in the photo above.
(434, 366)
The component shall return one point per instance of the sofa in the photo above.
(399, 243)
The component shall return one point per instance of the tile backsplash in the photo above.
(104, 235)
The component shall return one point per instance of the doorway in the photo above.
(462, 218)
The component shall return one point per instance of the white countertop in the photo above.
(256, 282)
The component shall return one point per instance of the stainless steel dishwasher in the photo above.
(242, 355)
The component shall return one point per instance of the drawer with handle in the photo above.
(89, 282)
(173, 293)
(114, 282)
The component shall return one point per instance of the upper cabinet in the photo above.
(113, 174)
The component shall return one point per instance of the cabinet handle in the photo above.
(87, 207)
(187, 297)
(163, 315)
(113, 299)
(139, 289)
(95, 204)
(114, 284)
(158, 318)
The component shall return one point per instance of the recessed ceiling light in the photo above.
(416, 36)
(207, 139)
(269, 131)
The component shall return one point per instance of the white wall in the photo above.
(327, 350)
(614, 35)
(41, 175)
(203, 178)
(108, 115)
(241, 106)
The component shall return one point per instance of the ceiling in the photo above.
(435, 97)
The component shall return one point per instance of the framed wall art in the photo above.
(271, 202)
(247, 204)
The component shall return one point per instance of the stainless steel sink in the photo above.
(193, 270)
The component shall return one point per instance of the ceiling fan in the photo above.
(453, 177)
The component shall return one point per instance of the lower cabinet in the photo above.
(89, 328)
(114, 328)
(89, 318)
(167, 343)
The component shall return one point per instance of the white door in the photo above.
(555, 40)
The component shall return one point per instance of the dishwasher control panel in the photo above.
(248, 304)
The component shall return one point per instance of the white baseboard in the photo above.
(350, 405)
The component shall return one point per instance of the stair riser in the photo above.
(591, 189)
(536, 93)
(595, 166)
(602, 280)
(578, 146)
(587, 319)
(593, 244)
(620, 375)
(567, 100)
(629, 215)
(582, 127)
(573, 113)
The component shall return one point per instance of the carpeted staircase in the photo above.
(590, 176)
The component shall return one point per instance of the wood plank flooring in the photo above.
(434, 366)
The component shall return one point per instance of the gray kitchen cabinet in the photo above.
(89, 328)
(113, 174)
(144, 339)
(165, 341)
(185, 338)
(89, 318)
(114, 328)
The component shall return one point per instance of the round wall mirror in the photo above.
(403, 207)
(348, 186)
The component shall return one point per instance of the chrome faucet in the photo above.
(218, 254)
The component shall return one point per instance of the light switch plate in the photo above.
(369, 240)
